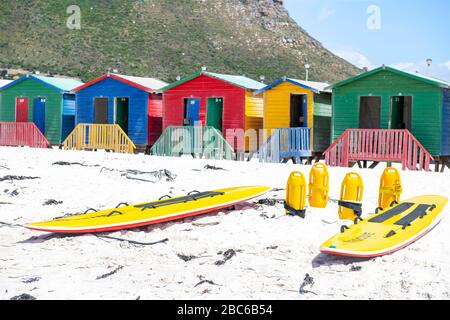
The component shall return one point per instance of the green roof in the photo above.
(239, 81)
(416, 76)
(59, 84)
(64, 84)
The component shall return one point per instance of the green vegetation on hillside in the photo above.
(163, 39)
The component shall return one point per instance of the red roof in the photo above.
(146, 84)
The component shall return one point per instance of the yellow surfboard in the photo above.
(388, 231)
(144, 214)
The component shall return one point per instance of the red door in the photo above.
(21, 109)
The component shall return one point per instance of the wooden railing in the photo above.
(193, 140)
(20, 134)
(99, 136)
(378, 145)
(285, 144)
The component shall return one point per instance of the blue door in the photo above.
(192, 112)
(305, 110)
(299, 111)
(39, 113)
(68, 117)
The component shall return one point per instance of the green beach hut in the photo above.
(46, 101)
(388, 98)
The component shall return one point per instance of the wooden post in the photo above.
(405, 151)
(345, 149)
(436, 165)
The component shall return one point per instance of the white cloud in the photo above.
(439, 70)
(325, 13)
(446, 65)
(355, 57)
(406, 66)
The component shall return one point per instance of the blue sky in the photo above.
(399, 33)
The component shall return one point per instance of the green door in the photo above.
(122, 105)
(214, 113)
(401, 112)
(396, 112)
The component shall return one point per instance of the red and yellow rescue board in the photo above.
(151, 213)
(390, 230)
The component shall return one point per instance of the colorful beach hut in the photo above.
(2, 84)
(224, 102)
(385, 104)
(299, 105)
(131, 102)
(46, 101)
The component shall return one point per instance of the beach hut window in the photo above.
(401, 112)
(299, 110)
(101, 110)
(122, 113)
(369, 113)
(21, 109)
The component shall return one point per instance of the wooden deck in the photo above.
(197, 141)
(21, 134)
(378, 145)
(109, 137)
(286, 144)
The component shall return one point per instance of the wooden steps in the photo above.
(378, 145)
(109, 137)
(21, 134)
(203, 142)
(286, 144)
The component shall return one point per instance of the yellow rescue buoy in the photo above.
(319, 187)
(352, 190)
(390, 188)
(296, 195)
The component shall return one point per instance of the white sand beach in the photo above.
(269, 253)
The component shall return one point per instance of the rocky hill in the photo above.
(163, 38)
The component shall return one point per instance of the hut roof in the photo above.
(316, 87)
(319, 86)
(57, 83)
(239, 81)
(146, 84)
(4, 83)
(416, 76)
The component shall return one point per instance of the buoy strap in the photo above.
(355, 206)
(295, 212)
(392, 190)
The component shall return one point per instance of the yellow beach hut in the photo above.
(297, 110)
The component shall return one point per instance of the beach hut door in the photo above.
(299, 110)
(122, 109)
(101, 110)
(401, 108)
(39, 113)
(214, 113)
(22, 110)
(370, 113)
(191, 112)
(68, 115)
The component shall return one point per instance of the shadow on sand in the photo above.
(46, 237)
(326, 260)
